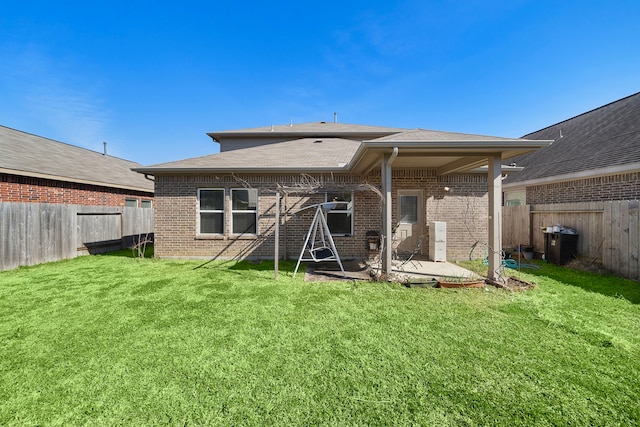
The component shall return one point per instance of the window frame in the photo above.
(147, 202)
(217, 211)
(244, 211)
(414, 207)
(131, 199)
(514, 197)
(349, 211)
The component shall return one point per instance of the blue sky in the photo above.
(151, 78)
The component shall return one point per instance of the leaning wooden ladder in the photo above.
(325, 250)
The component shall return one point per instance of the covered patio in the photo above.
(445, 152)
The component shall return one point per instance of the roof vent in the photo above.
(317, 141)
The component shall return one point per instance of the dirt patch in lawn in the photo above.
(514, 284)
(587, 265)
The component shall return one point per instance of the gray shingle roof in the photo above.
(424, 135)
(22, 153)
(317, 151)
(304, 153)
(604, 137)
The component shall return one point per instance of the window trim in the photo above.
(508, 201)
(131, 199)
(417, 209)
(200, 211)
(349, 210)
(235, 211)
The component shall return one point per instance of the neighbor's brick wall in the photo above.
(624, 186)
(14, 188)
(464, 209)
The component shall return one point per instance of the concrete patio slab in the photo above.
(359, 270)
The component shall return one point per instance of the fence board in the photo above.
(32, 233)
(137, 225)
(609, 231)
(624, 237)
(592, 232)
(634, 239)
(516, 227)
(615, 236)
(606, 235)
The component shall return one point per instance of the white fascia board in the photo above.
(191, 171)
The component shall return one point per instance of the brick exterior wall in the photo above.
(14, 188)
(176, 215)
(625, 186)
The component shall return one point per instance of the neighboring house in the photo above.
(393, 181)
(34, 169)
(594, 157)
(58, 201)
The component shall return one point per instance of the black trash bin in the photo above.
(560, 248)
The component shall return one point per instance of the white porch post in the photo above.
(387, 207)
(495, 217)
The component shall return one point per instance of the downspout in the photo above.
(387, 229)
(394, 154)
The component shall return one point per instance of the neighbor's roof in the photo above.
(25, 154)
(305, 153)
(326, 129)
(607, 137)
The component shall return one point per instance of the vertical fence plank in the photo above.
(624, 238)
(6, 231)
(607, 246)
(615, 236)
(634, 239)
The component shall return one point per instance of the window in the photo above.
(211, 208)
(145, 204)
(409, 209)
(244, 211)
(515, 198)
(131, 203)
(340, 219)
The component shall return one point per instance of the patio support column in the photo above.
(387, 209)
(494, 252)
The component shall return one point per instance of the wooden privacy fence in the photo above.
(33, 233)
(608, 230)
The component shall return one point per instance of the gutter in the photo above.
(154, 171)
(466, 144)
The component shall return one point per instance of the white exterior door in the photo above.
(410, 211)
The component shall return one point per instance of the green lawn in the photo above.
(116, 340)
